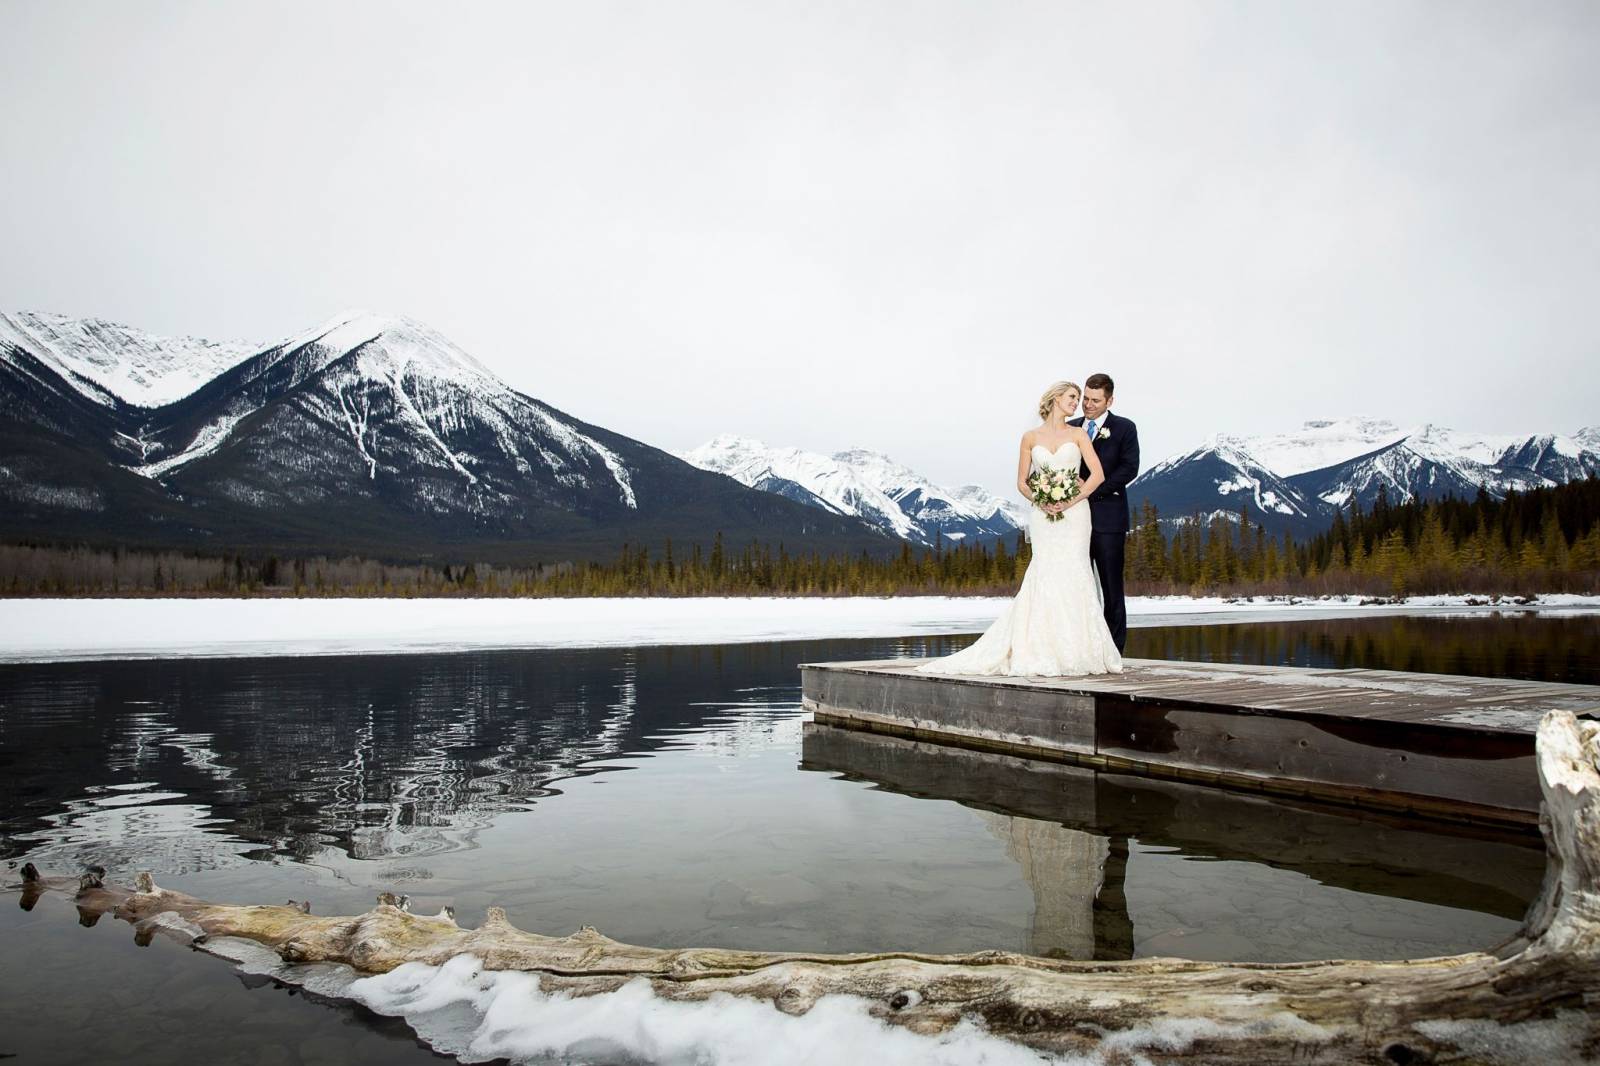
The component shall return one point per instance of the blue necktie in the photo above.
(1091, 429)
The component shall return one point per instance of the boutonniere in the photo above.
(1104, 434)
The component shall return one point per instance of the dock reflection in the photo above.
(1071, 830)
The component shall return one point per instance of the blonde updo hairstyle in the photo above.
(1048, 400)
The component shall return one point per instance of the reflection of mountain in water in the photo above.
(379, 757)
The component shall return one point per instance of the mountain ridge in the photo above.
(864, 483)
(1292, 480)
(139, 368)
(367, 432)
(396, 432)
(1359, 457)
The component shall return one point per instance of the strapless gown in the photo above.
(1055, 626)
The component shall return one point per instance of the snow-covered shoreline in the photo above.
(46, 630)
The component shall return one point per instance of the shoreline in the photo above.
(67, 630)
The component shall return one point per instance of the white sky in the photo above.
(865, 223)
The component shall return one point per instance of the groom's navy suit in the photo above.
(1108, 510)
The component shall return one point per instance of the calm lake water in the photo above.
(676, 796)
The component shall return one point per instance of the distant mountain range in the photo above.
(1297, 480)
(369, 434)
(865, 485)
(375, 434)
(1291, 481)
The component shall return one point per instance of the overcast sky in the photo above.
(873, 224)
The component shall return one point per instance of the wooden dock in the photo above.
(1437, 745)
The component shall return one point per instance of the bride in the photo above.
(1055, 626)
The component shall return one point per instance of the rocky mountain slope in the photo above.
(1296, 480)
(368, 433)
(865, 485)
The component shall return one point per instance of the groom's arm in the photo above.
(1126, 468)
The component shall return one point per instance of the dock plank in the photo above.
(1438, 744)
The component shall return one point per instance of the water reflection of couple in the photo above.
(1063, 621)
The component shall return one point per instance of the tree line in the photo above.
(751, 569)
(1545, 540)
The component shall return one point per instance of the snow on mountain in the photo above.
(1221, 474)
(105, 359)
(1552, 456)
(933, 507)
(981, 501)
(389, 346)
(1297, 479)
(402, 395)
(822, 480)
(1317, 444)
(1405, 470)
(1433, 462)
(1452, 447)
(372, 433)
(865, 484)
(1292, 480)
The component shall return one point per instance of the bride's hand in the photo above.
(1054, 508)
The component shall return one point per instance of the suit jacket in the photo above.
(1119, 457)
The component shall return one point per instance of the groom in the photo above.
(1116, 442)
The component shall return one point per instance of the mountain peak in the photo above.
(99, 356)
(1351, 423)
(1298, 478)
(1320, 443)
(389, 346)
(732, 441)
(883, 471)
(369, 433)
(862, 483)
(360, 322)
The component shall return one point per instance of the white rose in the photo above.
(1057, 493)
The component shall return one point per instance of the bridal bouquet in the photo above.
(1050, 485)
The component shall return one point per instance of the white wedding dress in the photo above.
(1055, 626)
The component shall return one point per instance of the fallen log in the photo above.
(1534, 998)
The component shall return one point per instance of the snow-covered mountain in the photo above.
(370, 432)
(99, 357)
(1223, 474)
(1317, 445)
(865, 484)
(405, 404)
(375, 433)
(1293, 480)
(1297, 480)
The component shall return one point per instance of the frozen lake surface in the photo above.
(43, 630)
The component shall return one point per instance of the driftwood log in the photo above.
(1535, 998)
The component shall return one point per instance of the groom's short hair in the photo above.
(1102, 382)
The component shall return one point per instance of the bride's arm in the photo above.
(1024, 462)
(1097, 473)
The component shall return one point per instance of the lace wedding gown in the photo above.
(1054, 627)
